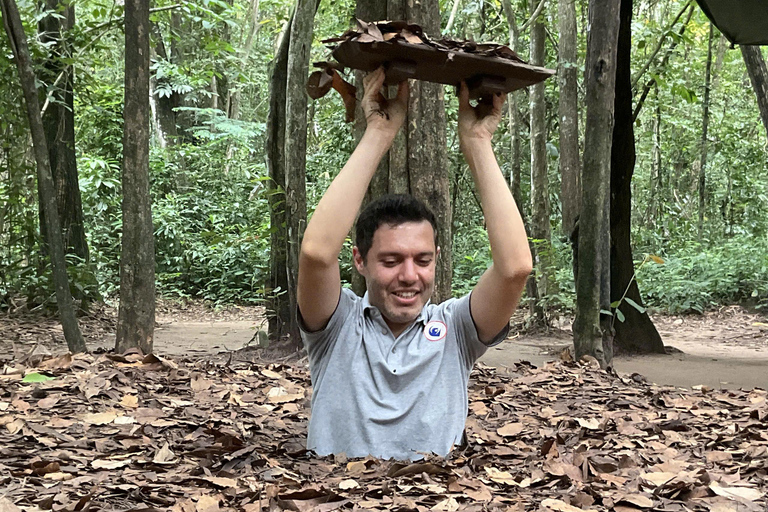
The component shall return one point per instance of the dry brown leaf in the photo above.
(208, 503)
(736, 493)
(110, 464)
(164, 455)
(130, 401)
(7, 505)
(561, 506)
(100, 418)
(348, 484)
(510, 429)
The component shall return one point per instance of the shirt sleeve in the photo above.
(470, 346)
(319, 343)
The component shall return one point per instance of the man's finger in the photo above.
(373, 82)
(464, 96)
(498, 102)
(403, 91)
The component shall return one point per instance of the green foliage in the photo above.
(696, 277)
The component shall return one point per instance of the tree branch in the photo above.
(663, 63)
(658, 46)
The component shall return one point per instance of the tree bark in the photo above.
(568, 113)
(418, 160)
(165, 116)
(540, 210)
(136, 316)
(593, 257)
(637, 333)
(296, 145)
(59, 123)
(427, 153)
(18, 41)
(758, 75)
(278, 303)
(704, 127)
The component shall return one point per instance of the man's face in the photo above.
(399, 271)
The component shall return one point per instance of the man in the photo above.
(390, 371)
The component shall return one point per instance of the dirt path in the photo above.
(723, 349)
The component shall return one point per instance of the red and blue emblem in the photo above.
(435, 330)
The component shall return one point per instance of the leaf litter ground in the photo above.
(133, 432)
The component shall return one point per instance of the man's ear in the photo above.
(357, 259)
(437, 254)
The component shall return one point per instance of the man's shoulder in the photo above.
(446, 308)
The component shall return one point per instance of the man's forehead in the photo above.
(404, 232)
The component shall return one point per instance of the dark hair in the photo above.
(391, 209)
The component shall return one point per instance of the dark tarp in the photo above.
(741, 21)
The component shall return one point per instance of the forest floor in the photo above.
(206, 427)
(727, 348)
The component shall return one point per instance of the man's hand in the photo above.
(479, 122)
(383, 115)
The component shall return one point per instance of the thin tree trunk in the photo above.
(662, 65)
(165, 116)
(296, 145)
(568, 113)
(600, 84)
(513, 100)
(758, 75)
(637, 333)
(704, 127)
(236, 93)
(18, 40)
(540, 228)
(427, 153)
(136, 316)
(278, 305)
(59, 123)
(452, 17)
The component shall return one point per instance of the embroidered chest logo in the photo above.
(435, 330)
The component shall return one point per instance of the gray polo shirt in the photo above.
(391, 398)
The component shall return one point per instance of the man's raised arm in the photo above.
(496, 295)
(319, 283)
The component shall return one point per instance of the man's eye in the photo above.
(424, 263)
(389, 263)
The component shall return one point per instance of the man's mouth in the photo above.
(405, 296)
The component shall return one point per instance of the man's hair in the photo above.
(393, 210)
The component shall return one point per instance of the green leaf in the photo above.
(635, 305)
(606, 312)
(36, 377)
(615, 304)
(619, 315)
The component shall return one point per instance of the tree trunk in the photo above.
(637, 333)
(704, 127)
(296, 145)
(593, 223)
(758, 75)
(165, 116)
(540, 228)
(418, 159)
(372, 10)
(245, 53)
(136, 316)
(427, 153)
(568, 116)
(513, 99)
(17, 37)
(278, 304)
(59, 124)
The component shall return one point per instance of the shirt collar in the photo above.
(368, 308)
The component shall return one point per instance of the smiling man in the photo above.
(390, 370)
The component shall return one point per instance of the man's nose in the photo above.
(408, 271)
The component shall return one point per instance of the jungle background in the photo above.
(697, 193)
